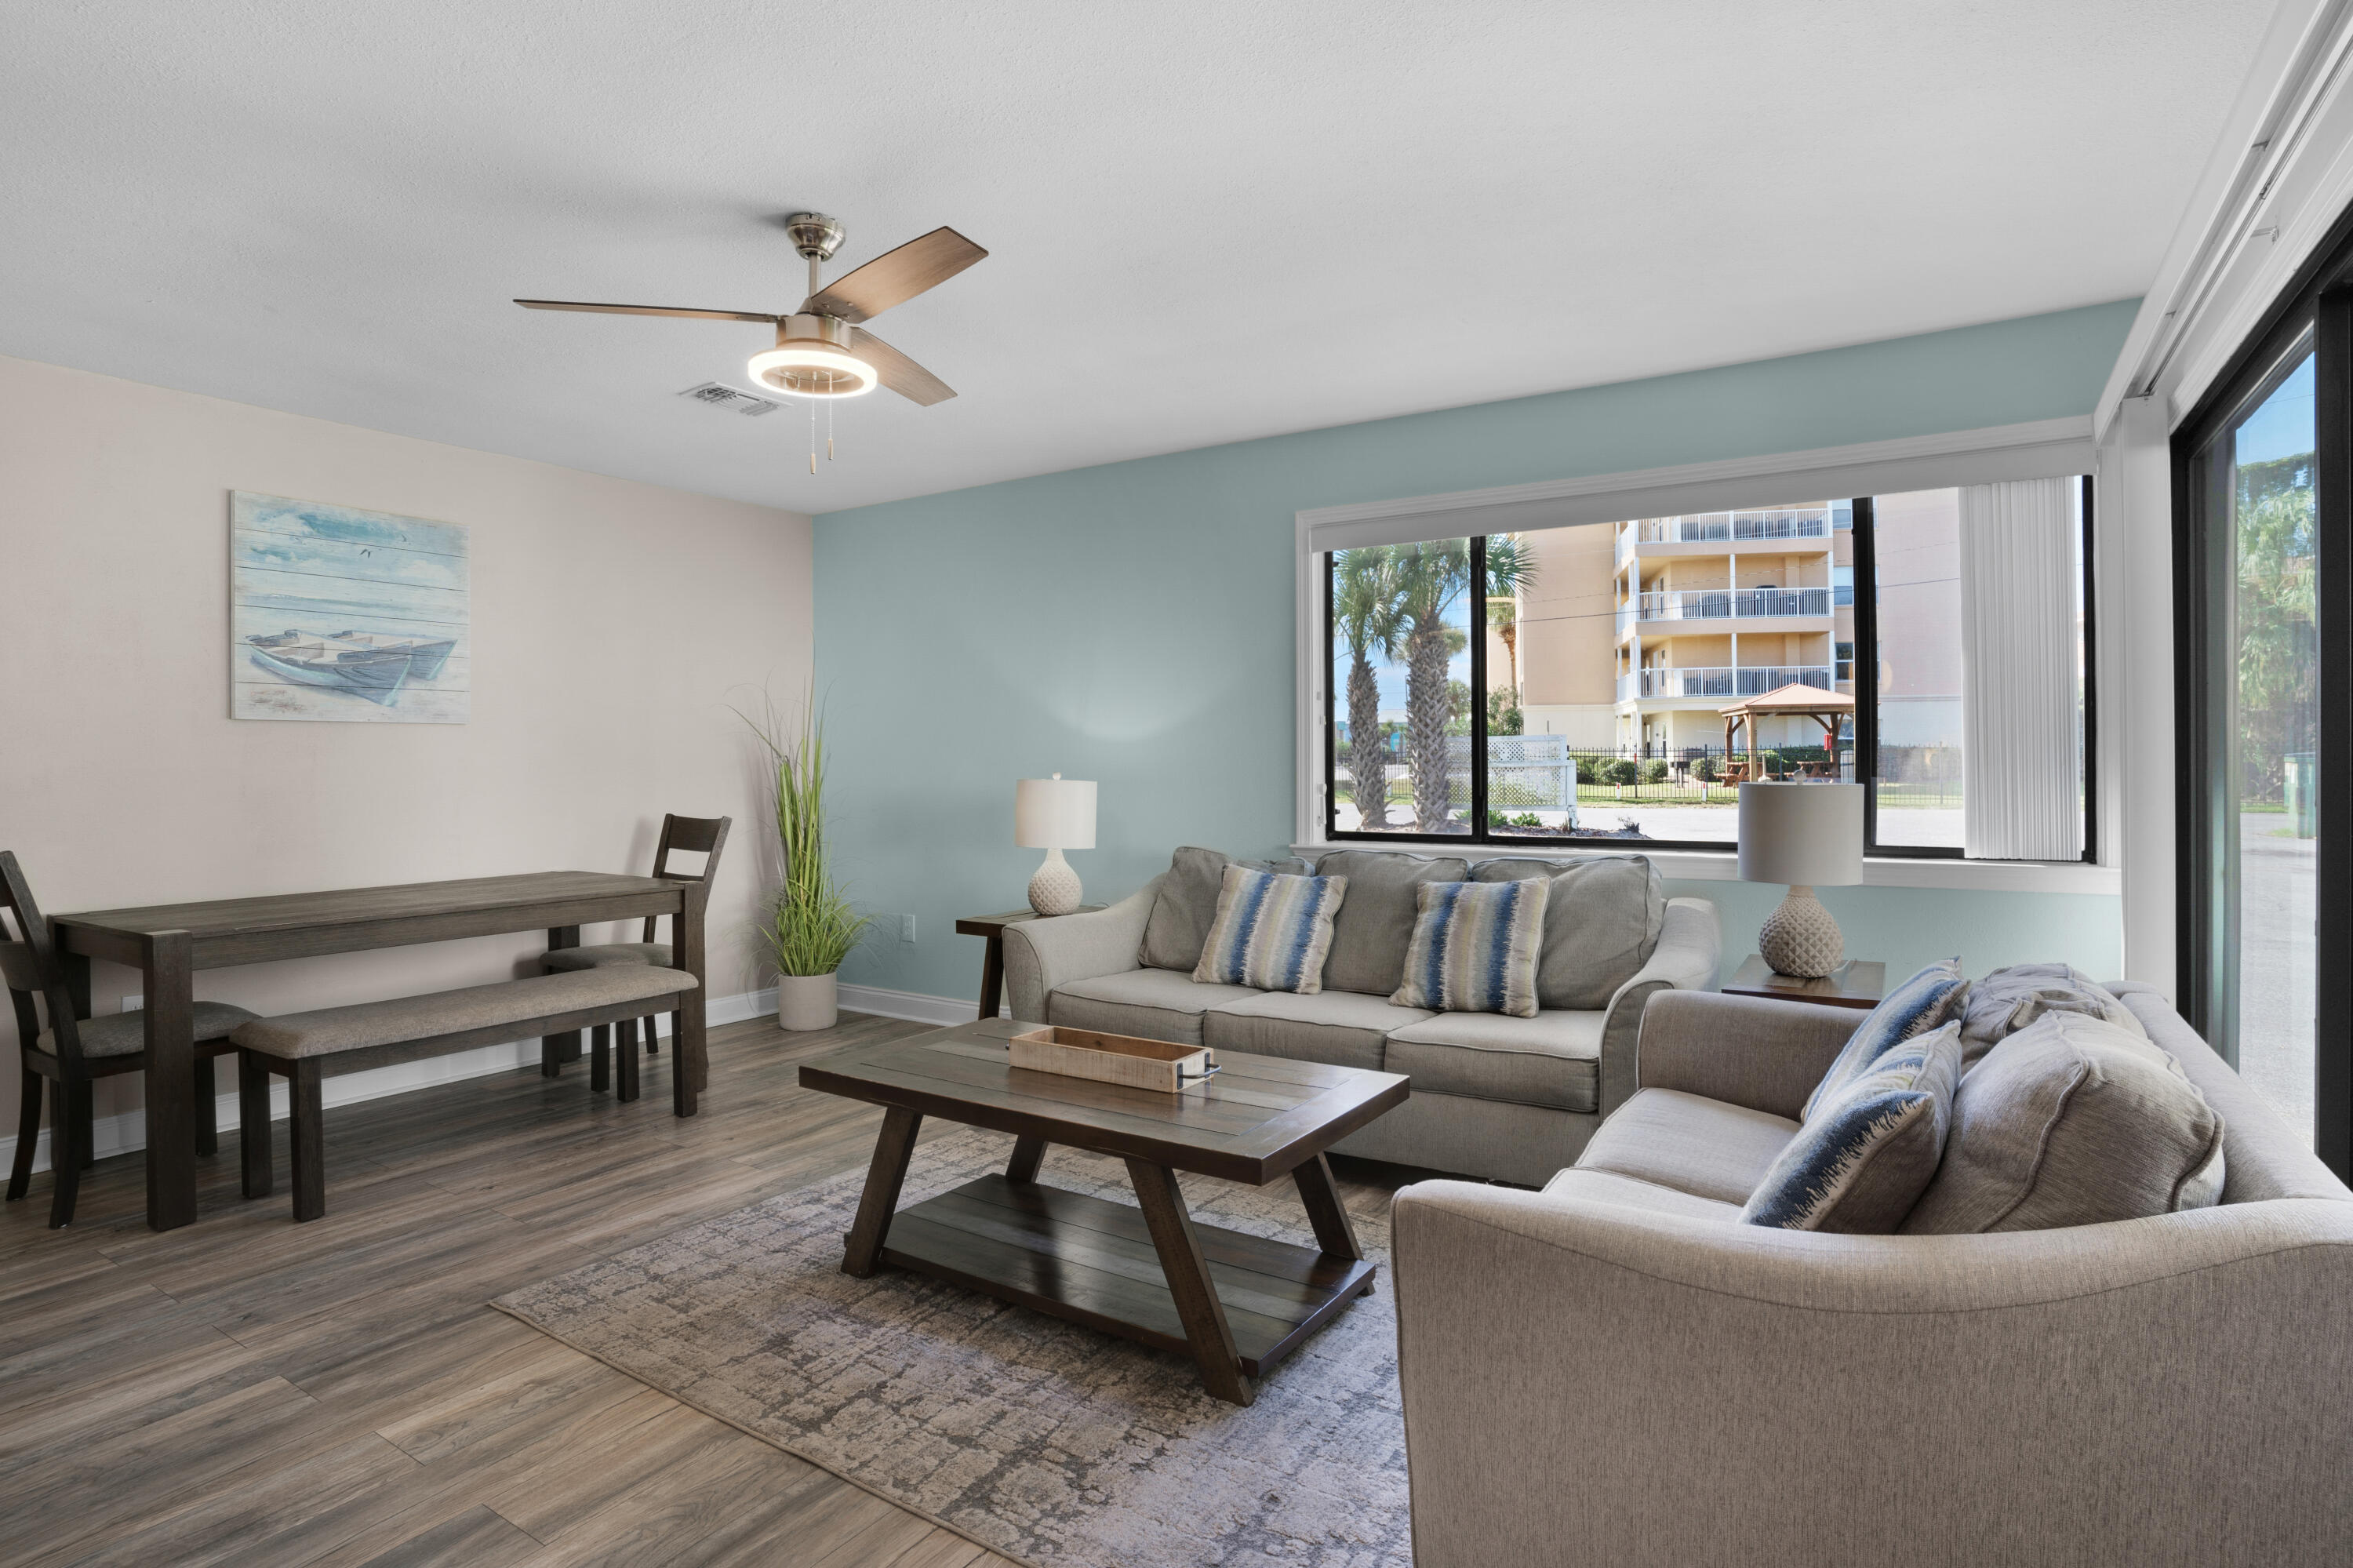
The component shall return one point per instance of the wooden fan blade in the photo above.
(896, 276)
(896, 371)
(645, 311)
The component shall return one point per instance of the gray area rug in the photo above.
(1047, 1442)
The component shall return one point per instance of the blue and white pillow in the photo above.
(1871, 1148)
(1924, 1002)
(1271, 931)
(1475, 947)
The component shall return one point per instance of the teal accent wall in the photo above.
(1132, 624)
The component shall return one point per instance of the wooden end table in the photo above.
(1857, 983)
(991, 961)
(1237, 1304)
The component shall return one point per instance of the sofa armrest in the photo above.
(1751, 1051)
(1042, 954)
(1689, 954)
(1665, 1389)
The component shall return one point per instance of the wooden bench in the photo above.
(307, 1047)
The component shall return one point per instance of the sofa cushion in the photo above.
(1339, 1028)
(1601, 921)
(1474, 947)
(1553, 1059)
(2008, 1000)
(1921, 1004)
(1699, 1146)
(1370, 933)
(2073, 1122)
(1587, 1186)
(1151, 1004)
(1186, 904)
(1865, 1155)
(1271, 931)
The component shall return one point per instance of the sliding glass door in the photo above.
(2254, 482)
(2264, 692)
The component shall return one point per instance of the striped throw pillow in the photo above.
(1927, 1002)
(1871, 1148)
(1474, 947)
(1271, 931)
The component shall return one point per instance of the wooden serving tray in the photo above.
(1113, 1058)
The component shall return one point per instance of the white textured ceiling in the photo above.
(1208, 221)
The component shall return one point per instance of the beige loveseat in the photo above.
(1508, 1098)
(1615, 1371)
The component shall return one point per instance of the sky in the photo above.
(2283, 426)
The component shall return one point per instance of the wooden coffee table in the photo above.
(1237, 1304)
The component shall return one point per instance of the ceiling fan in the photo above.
(821, 350)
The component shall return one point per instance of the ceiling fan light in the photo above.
(812, 370)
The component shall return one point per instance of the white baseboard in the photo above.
(916, 1006)
(127, 1131)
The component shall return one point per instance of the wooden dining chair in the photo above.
(73, 1052)
(705, 836)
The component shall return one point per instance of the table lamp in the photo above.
(1054, 814)
(1809, 836)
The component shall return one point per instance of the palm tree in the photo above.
(1511, 571)
(1432, 576)
(1364, 608)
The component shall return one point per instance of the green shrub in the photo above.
(1705, 770)
(1654, 772)
(1620, 770)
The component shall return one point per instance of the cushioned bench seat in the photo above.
(307, 1046)
(331, 1031)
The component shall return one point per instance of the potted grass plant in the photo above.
(809, 926)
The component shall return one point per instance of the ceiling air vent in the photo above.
(720, 396)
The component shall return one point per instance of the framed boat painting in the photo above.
(344, 615)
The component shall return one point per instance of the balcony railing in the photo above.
(1719, 528)
(1722, 680)
(1708, 604)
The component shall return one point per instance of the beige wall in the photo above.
(1568, 625)
(612, 624)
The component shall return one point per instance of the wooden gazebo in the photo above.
(1828, 709)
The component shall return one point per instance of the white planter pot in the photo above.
(806, 1001)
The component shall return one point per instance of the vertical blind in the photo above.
(2021, 743)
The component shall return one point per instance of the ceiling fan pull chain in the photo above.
(829, 421)
(812, 435)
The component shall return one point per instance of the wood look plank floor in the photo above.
(248, 1391)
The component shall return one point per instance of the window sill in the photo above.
(1710, 865)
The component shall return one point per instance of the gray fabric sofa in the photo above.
(1506, 1098)
(1615, 1370)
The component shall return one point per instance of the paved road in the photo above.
(2275, 964)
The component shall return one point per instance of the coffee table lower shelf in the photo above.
(1091, 1261)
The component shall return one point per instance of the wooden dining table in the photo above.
(168, 943)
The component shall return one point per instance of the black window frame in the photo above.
(2317, 305)
(1865, 724)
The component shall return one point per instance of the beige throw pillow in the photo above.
(2072, 1122)
(2008, 1000)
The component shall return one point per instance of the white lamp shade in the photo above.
(1807, 835)
(1054, 813)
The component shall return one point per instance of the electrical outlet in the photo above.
(906, 928)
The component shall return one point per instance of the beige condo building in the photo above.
(1632, 636)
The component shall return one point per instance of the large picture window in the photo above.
(1617, 681)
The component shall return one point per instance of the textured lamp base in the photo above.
(1799, 938)
(1055, 889)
